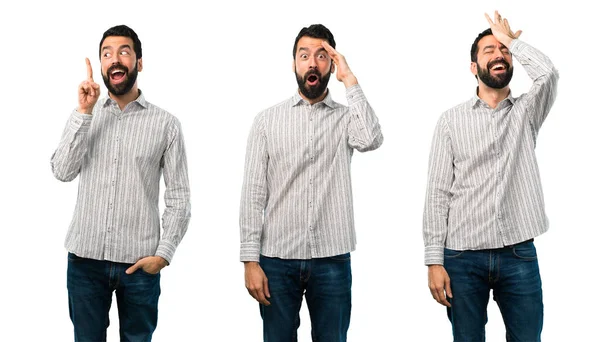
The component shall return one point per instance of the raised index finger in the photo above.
(89, 69)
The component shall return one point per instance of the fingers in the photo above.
(134, 268)
(257, 283)
(439, 293)
(259, 292)
(266, 288)
(89, 88)
(335, 56)
(489, 19)
(89, 69)
(439, 284)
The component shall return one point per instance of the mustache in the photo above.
(119, 67)
(312, 72)
(498, 61)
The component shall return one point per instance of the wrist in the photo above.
(350, 80)
(82, 110)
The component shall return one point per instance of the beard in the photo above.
(313, 92)
(125, 86)
(495, 81)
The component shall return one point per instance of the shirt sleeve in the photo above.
(438, 196)
(177, 213)
(66, 160)
(540, 69)
(364, 132)
(254, 192)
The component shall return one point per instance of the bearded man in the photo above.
(484, 201)
(120, 146)
(296, 216)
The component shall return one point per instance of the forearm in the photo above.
(252, 207)
(66, 160)
(542, 94)
(364, 131)
(177, 213)
(438, 195)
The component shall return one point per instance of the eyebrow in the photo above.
(306, 49)
(502, 46)
(124, 46)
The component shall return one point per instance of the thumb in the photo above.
(266, 287)
(133, 268)
(447, 288)
(518, 33)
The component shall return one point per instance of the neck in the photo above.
(315, 100)
(125, 99)
(492, 96)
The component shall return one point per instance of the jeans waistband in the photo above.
(520, 243)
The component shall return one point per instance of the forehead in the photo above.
(488, 40)
(309, 43)
(116, 42)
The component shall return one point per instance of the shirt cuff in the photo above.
(166, 250)
(250, 252)
(434, 255)
(516, 46)
(355, 94)
(80, 123)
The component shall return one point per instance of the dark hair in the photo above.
(475, 46)
(314, 31)
(123, 31)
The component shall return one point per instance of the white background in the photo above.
(215, 66)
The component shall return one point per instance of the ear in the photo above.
(332, 70)
(294, 65)
(474, 68)
(140, 65)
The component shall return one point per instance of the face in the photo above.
(119, 64)
(312, 67)
(494, 63)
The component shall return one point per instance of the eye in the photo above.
(322, 56)
(106, 55)
(124, 53)
(303, 56)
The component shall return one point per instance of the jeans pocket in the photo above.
(525, 251)
(74, 258)
(141, 270)
(340, 258)
(451, 253)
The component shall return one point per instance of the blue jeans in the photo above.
(327, 284)
(91, 284)
(512, 273)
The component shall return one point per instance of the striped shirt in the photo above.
(120, 156)
(484, 189)
(297, 197)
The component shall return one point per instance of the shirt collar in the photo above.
(141, 100)
(298, 100)
(476, 101)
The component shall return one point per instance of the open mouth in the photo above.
(117, 74)
(499, 67)
(312, 80)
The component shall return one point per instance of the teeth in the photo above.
(116, 71)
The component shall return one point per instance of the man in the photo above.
(120, 145)
(296, 219)
(484, 202)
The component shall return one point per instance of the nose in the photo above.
(498, 54)
(312, 62)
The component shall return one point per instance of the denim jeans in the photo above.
(512, 273)
(91, 284)
(326, 283)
